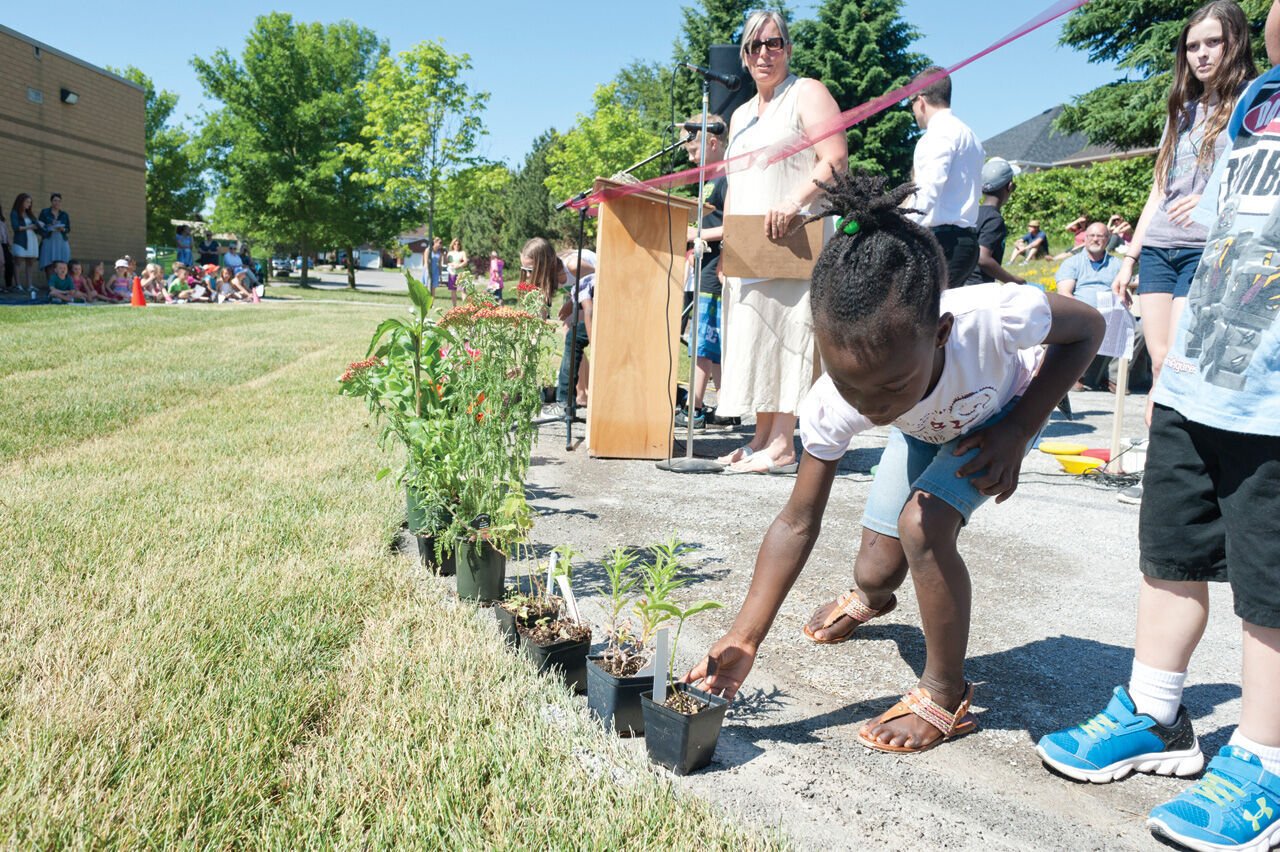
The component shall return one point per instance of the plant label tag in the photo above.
(551, 572)
(660, 667)
(570, 602)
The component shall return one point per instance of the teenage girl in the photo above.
(1212, 63)
(961, 378)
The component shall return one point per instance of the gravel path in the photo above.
(1054, 573)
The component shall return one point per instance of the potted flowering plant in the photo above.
(490, 370)
(401, 383)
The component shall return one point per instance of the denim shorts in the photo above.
(910, 465)
(709, 327)
(1167, 270)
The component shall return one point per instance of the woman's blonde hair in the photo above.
(756, 21)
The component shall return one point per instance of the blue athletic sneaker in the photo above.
(1118, 741)
(1236, 805)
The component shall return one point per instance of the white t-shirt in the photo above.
(991, 355)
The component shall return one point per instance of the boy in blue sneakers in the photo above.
(1211, 512)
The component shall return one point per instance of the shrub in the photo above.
(1058, 196)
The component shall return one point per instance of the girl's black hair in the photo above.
(891, 270)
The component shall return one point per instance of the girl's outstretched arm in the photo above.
(782, 556)
(1074, 336)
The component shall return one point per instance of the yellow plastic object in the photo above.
(1078, 464)
(1062, 448)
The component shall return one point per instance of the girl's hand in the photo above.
(778, 221)
(1180, 210)
(1120, 286)
(1001, 448)
(724, 668)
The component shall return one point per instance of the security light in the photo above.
(69, 97)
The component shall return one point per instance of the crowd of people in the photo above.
(35, 255)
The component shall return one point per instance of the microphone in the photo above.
(715, 128)
(731, 82)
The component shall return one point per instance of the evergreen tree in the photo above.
(1139, 36)
(711, 22)
(528, 203)
(861, 49)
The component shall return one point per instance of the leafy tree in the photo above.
(422, 127)
(174, 187)
(711, 22)
(280, 144)
(608, 140)
(861, 49)
(645, 89)
(528, 204)
(467, 189)
(1139, 36)
(1058, 196)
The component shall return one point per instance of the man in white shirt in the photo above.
(947, 170)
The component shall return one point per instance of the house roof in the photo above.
(1036, 143)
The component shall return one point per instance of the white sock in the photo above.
(1269, 755)
(1156, 693)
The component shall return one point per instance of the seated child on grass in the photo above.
(957, 375)
(61, 287)
(82, 283)
(153, 282)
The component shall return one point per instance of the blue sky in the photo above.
(541, 62)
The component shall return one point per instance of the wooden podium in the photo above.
(636, 323)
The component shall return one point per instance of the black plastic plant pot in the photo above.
(507, 625)
(569, 656)
(446, 567)
(482, 570)
(615, 701)
(680, 742)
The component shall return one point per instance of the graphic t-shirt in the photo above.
(1185, 178)
(1223, 369)
(992, 232)
(991, 355)
(715, 191)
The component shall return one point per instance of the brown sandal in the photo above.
(919, 702)
(849, 605)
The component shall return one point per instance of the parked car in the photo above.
(281, 266)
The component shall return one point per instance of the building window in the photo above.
(35, 95)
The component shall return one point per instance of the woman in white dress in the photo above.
(770, 359)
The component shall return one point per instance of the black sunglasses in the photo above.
(773, 45)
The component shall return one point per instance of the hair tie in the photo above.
(848, 224)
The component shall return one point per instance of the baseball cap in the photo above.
(997, 174)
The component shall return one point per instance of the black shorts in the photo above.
(1211, 511)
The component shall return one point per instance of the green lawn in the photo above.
(207, 640)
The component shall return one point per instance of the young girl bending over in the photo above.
(955, 373)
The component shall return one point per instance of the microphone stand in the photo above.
(689, 464)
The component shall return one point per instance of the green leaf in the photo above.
(383, 327)
(421, 296)
(701, 607)
(382, 474)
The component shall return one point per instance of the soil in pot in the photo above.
(614, 698)
(681, 734)
(562, 645)
(518, 610)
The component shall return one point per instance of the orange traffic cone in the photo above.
(138, 300)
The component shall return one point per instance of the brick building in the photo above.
(67, 126)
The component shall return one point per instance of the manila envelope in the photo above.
(746, 253)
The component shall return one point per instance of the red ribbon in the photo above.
(768, 156)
